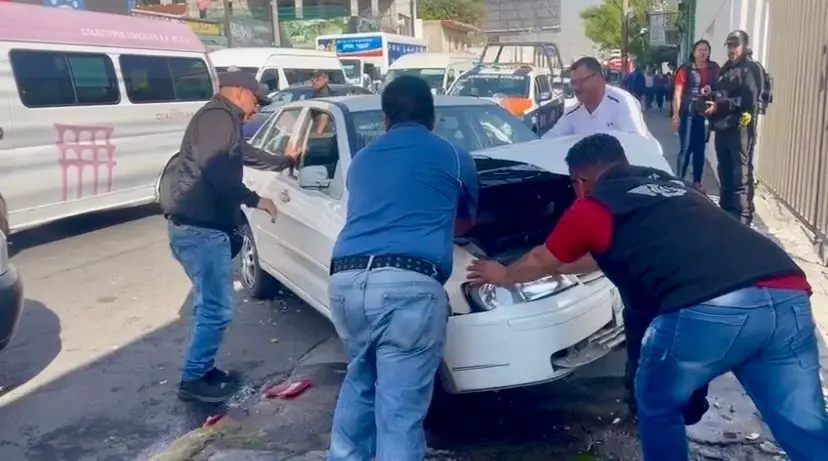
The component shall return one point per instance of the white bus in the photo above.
(92, 106)
(278, 68)
(369, 54)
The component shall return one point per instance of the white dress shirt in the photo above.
(618, 111)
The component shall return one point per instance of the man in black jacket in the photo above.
(202, 193)
(732, 302)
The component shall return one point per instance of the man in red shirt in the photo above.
(736, 302)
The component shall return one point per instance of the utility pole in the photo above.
(274, 16)
(625, 38)
(228, 31)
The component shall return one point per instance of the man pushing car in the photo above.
(734, 302)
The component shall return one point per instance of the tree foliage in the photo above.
(467, 11)
(603, 25)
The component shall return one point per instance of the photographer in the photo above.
(732, 111)
(691, 88)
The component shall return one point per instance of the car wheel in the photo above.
(258, 282)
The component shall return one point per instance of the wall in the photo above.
(717, 18)
(444, 39)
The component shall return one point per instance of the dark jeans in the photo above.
(692, 145)
(734, 151)
(635, 325)
(205, 256)
(766, 337)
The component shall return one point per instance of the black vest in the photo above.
(672, 247)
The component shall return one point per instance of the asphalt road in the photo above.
(93, 370)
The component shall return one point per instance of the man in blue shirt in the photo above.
(410, 193)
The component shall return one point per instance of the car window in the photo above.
(319, 147)
(151, 79)
(276, 137)
(302, 76)
(270, 78)
(49, 79)
(433, 76)
(469, 127)
(247, 70)
(542, 85)
(492, 85)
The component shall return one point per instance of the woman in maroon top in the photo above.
(692, 83)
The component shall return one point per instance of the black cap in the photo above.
(244, 80)
(737, 37)
(319, 73)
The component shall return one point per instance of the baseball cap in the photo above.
(319, 73)
(244, 80)
(737, 37)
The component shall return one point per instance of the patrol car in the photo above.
(524, 90)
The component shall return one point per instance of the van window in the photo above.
(48, 79)
(161, 79)
(298, 76)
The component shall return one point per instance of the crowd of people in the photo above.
(704, 293)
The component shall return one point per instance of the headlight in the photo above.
(489, 297)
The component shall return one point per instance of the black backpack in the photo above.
(765, 82)
(167, 184)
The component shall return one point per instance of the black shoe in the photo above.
(216, 375)
(208, 389)
(694, 411)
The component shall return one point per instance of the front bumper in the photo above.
(11, 304)
(533, 343)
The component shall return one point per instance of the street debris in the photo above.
(616, 421)
(288, 390)
(212, 420)
(161, 383)
(752, 436)
(274, 340)
(770, 448)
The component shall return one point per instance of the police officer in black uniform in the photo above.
(733, 301)
(732, 108)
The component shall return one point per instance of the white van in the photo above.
(279, 68)
(92, 106)
(440, 70)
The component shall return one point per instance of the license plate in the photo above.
(617, 306)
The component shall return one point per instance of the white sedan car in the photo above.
(497, 337)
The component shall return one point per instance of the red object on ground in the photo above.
(288, 390)
(212, 420)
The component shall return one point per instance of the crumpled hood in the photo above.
(550, 154)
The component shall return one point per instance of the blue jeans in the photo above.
(205, 256)
(692, 145)
(392, 323)
(766, 337)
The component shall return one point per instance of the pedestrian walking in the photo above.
(201, 194)
(733, 109)
(660, 88)
(649, 90)
(669, 96)
(692, 88)
(730, 302)
(409, 193)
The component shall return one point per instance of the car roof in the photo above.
(360, 103)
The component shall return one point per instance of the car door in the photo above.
(550, 105)
(311, 217)
(280, 131)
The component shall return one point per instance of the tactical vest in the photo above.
(673, 247)
(693, 84)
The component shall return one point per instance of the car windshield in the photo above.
(469, 127)
(434, 77)
(490, 85)
(280, 98)
(351, 67)
(304, 76)
(247, 70)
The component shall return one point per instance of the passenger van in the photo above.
(279, 68)
(92, 106)
(440, 70)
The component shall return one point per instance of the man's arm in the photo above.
(582, 266)
(264, 160)
(469, 193)
(678, 89)
(563, 127)
(629, 118)
(215, 136)
(743, 98)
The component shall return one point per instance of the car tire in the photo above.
(258, 282)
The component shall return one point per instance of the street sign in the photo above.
(658, 29)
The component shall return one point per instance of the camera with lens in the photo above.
(700, 104)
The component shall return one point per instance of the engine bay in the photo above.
(519, 206)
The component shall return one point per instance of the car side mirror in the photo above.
(314, 177)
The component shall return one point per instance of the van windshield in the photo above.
(433, 76)
(490, 85)
(351, 68)
(247, 70)
(300, 76)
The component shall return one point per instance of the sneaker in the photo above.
(216, 375)
(695, 409)
(215, 387)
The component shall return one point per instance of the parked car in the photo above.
(11, 295)
(497, 338)
(294, 93)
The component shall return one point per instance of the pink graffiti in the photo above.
(82, 146)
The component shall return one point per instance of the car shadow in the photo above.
(77, 225)
(35, 345)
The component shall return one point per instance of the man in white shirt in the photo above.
(600, 107)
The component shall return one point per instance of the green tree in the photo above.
(467, 11)
(603, 25)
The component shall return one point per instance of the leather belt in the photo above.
(352, 263)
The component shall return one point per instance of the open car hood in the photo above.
(550, 154)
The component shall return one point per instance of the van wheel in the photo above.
(4, 217)
(258, 282)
